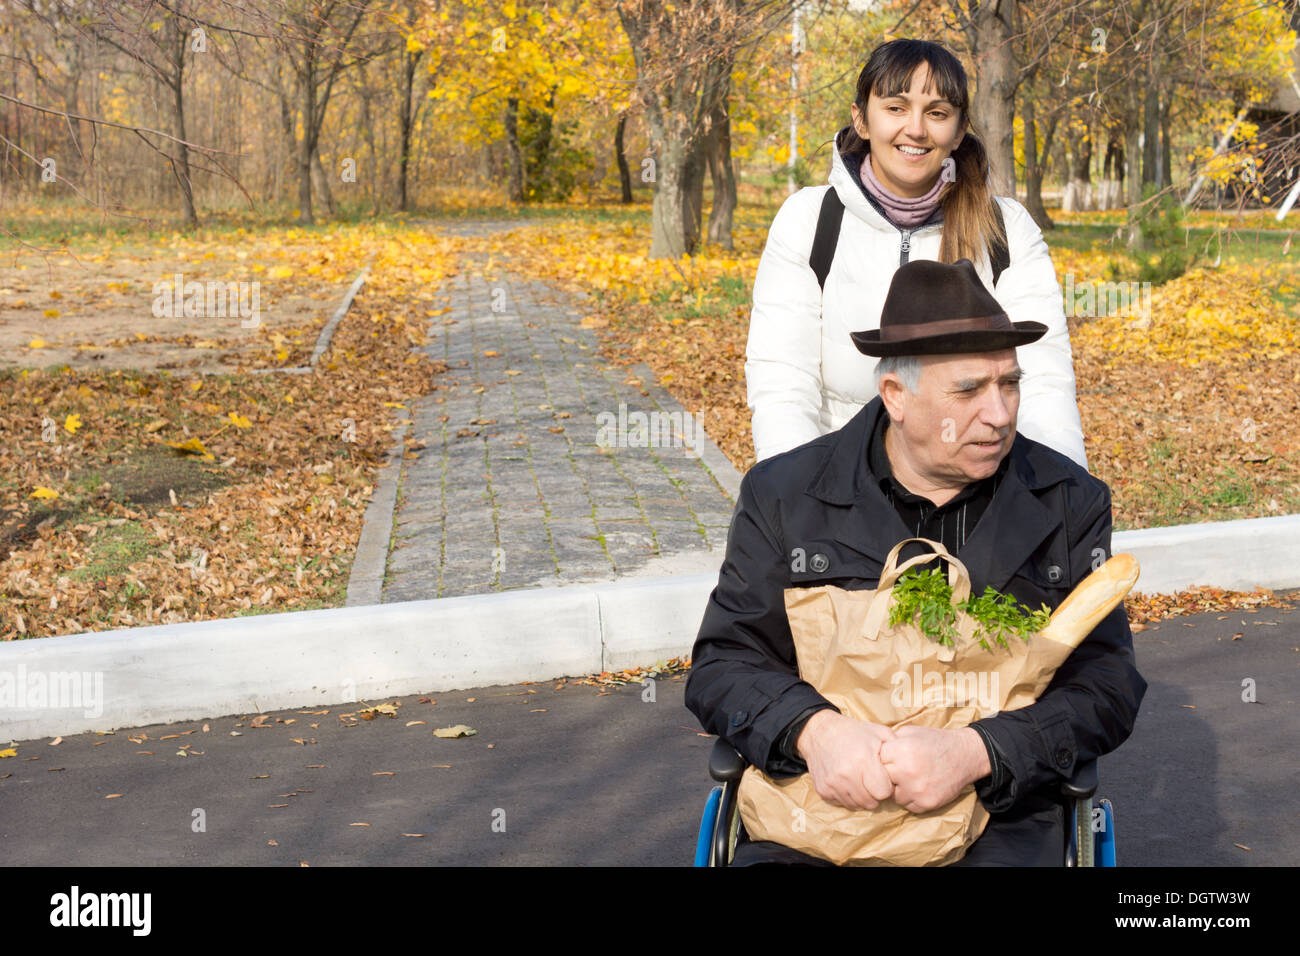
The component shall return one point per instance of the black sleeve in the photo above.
(744, 684)
(1091, 704)
(786, 743)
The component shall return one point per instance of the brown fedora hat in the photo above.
(939, 308)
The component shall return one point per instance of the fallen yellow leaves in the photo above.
(191, 447)
(1196, 600)
(1205, 316)
(386, 710)
(459, 730)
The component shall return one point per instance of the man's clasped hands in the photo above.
(858, 765)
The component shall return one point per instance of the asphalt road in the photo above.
(583, 776)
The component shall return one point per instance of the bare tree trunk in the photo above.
(723, 176)
(288, 160)
(991, 31)
(516, 159)
(1166, 154)
(624, 174)
(1078, 189)
(321, 184)
(368, 132)
(1033, 173)
(307, 145)
(669, 223)
(411, 60)
(1133, 178)
(693, 192)
(304, 183)
(182, 167)
(1151, 136)
(1112, 176)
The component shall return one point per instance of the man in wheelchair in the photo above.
(936, 454)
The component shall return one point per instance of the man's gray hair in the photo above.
(906, 367)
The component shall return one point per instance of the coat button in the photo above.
(739, 717)
(819, 562)
(1063, 756)
(1054, 573)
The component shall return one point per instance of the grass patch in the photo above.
(1231, 491)
(113, 550)
(1160, 450)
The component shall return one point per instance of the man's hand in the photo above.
(843, 756)
(930, 767)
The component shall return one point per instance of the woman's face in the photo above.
(911, 135)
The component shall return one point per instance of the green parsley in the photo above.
(925, 597)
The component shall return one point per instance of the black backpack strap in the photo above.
(1000, 254)
(827, 236)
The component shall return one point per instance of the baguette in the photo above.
(1096, 596)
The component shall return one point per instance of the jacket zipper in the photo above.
(905, 250)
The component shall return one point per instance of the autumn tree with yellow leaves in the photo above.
(523, 72)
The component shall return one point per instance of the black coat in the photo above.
(1046, 525)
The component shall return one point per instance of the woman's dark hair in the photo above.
(970, 225)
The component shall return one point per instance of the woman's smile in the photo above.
(914, 154)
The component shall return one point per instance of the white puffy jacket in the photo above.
(804, 375)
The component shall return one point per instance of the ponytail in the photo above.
(970, 226)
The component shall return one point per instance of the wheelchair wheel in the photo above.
(704, 842)
(734, 835)
(1084, 838)
(1106, 838)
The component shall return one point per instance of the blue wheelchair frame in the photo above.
(718, 827)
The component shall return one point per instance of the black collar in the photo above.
(1013, 525)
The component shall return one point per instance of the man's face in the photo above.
(963, 420)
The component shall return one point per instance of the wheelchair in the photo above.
(1084, 844)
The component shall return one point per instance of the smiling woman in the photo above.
(909, 181)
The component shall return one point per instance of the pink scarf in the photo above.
(901, 211)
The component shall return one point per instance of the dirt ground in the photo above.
(97, 311)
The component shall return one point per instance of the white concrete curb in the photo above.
(126, 678)
(366, 579)
(252, 664)
(326, 333)
(1237, 555)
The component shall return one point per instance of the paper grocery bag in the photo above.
(896, 676)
